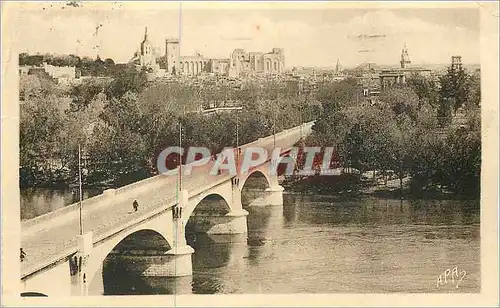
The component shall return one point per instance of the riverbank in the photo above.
(350, 187)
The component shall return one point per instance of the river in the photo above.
(328, 244)
(39, 201)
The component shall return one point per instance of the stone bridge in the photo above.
(149, 242)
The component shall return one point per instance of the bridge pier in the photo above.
(233, 222)
(78, 265)
(178, 258)
(274, 194)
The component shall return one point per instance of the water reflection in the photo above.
(120, 284)
(320, 244)
(213, 251)
(227, 254)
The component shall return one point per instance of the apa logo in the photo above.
(451, 273)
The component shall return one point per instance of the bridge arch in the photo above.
(156, 228)
(117, 264)
(201, 217)
(217, 201)
(256, 173)
(254, 185)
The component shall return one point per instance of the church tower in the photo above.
(405, 58)
(337, 67)
(147, 54)
(172, 53)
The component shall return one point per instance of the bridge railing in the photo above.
(161, 179)
(134, 188)
(307, 126)
(131, 190)
(72, 208)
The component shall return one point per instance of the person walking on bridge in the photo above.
(23, 255)
(135, 205)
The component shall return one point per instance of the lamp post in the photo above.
(80, 192)
(80, 186)
(180, 156)
(237, 131)
(274, 128)
(238, 136)
(306, 92)
(300, 117)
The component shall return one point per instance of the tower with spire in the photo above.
(146, 51)
(337, 67)
(405, 58)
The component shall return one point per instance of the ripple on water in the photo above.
(331, 245)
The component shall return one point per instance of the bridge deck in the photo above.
(54, 240)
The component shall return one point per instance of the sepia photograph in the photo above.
(178, 149)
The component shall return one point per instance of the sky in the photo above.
(311, 35)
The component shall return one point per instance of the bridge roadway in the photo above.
(52, 240)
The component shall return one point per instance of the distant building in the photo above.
(194, 65)
(338, 74)
(219, 66)
(240, 62)
(60, 72)
(391, 76)
(175, 64)
(24, 70)
(172, 55)
(243, 63)
(456, 63)
(146, 53)
(145, 57)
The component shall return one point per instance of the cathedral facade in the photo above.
(250, 63)
(183, 65)
(240, 63)
(391, 76)
(146, 56)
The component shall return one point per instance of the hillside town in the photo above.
(235, 71)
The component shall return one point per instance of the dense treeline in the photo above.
(85, 66)
(410, 131)
(124, 124)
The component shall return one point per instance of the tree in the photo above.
(109, 62)
(398, 150)
(39, 85)
(428, 161)
(331, 129)
(474, 93)
(83, 94)
(30, 60)
(29, 86)
(127, 80)
(402, 101)
(455, 87)
(445, 111)
(342, 93)
(117, 147)
(425, 88)
(462, 168)
(39, 127)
